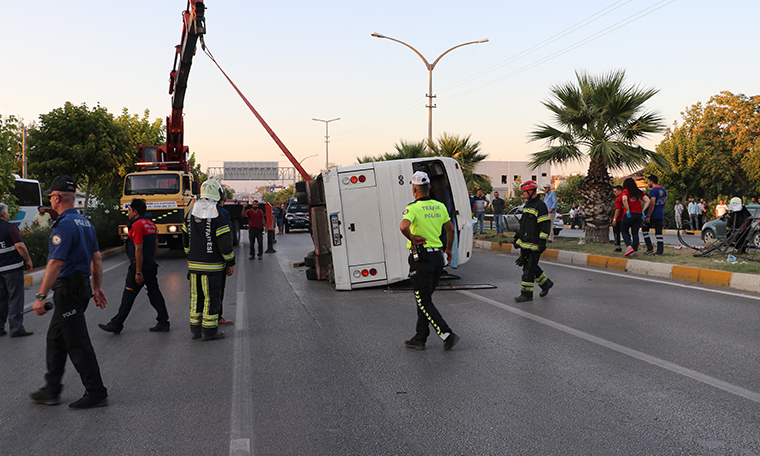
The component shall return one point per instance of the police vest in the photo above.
(10, 259)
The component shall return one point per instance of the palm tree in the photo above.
(403, 150)
(468, 154)
(601, 120)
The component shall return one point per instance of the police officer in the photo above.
(422, 223)
(142, 246)
(208, 245)
(73, 257)
(531, 238)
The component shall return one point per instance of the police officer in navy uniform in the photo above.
(422, 223)
(73, 257)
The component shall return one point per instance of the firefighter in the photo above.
(208, 246)
(421, 224)
(737, 216)
(531, 240)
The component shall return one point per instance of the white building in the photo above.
(505, 175)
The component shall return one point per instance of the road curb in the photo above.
(724, 279)
(35, 277)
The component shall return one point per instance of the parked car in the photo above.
(297, 217)
(716, 229)
(512, 220)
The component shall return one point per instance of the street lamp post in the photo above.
(430, 68)
(327, 137)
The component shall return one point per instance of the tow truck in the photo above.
(163, 177)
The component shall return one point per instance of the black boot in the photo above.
(195, 330)
(545, 287)
(524, 296)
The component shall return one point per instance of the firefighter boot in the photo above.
(524, 296)
(212, 334)
(195, 330)
(545, 287)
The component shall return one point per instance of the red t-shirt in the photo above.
(634, 204)
(619, 207)
(255, 219)
(143, 231)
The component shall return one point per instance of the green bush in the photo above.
(105, 219)
(36, 241)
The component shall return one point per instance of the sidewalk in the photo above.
(734, 280)
(35, 276)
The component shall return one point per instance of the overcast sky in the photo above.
(296, 60)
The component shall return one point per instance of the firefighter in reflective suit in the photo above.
(422, 223)
(208, 245)
(531, 240)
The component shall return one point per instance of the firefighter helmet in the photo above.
(528, 185)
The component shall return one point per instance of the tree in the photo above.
(10, 139)
(569, 192)
(195, 169)
(606, 119)
(468, 154)
(403, 150)
(715, 150)
(87, 145)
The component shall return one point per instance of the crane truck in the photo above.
(163, 177)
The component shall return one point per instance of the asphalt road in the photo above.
(607, 364)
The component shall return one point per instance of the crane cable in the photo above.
(276, 139)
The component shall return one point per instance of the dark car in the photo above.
(297, 217)
(716, 229)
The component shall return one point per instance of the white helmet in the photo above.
(735, 205)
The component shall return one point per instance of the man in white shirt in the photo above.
(678, 208)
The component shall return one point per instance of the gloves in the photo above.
(521, 261)
(541, 246)
(628, 214)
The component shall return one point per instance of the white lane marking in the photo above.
(241, 419)
(706, 379)
(30, 304)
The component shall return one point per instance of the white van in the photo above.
(356, 212)
(29, 197)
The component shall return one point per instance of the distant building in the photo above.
(505, 175)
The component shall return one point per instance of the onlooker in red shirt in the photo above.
(632, 198)
(617, 219)
(256, 220)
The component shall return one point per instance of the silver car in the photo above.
(512, 220)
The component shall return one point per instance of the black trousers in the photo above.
(68, 336)
(255, 235)
(425, 274)
(657, 225)
(132, 289)
(532, 272)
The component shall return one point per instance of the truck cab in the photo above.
(168, 196)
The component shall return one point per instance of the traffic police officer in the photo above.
(73, 257)
(422, 224)
(531, 240)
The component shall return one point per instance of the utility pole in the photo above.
(430, 67)
(327, 138)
